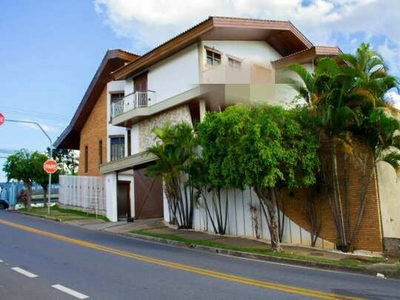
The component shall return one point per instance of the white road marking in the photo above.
(70, 291)
(24, 272)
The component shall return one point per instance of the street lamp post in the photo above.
(51, 154)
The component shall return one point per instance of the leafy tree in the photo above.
(345, 93)
(264, 148)
(26, 167)
(175, 151)
(209, 178)
(67, 159)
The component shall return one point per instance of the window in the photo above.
(86, 159)
(234, 63)
(117, 150)
(115, 97)
(117, 106)
(100, 152)
(213, 58)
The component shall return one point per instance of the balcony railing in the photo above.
(132, 101)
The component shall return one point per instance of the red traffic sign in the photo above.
(50, 166)
(2, 119)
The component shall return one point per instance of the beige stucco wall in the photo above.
(389, 192)
(147, 138)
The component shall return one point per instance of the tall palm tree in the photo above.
(175, 152)
(345, 93)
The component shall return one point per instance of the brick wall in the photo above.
(370, 232)
(94, 130)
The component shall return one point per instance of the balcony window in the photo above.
(115, 97)
(117, 147)
(213, 57)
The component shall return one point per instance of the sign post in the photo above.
(50, 166)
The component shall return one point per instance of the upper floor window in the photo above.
(213, 57)
(117, 147)
(234, 63)
(115, 97)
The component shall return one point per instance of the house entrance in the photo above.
(123, 200)
(148, 195)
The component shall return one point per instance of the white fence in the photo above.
(242, 221)
(86, 193)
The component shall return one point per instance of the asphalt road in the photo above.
(42, 259)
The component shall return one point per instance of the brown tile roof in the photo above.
(306, 55)
(282, 35)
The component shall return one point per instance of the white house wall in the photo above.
(114, 87)
(174, 75)
(257, 52)
(111, 192)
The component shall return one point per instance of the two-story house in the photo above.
(217, 63)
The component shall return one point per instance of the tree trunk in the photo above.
(29, 195)
(267, 197)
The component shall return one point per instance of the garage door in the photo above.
(148, 196)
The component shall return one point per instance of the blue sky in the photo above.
(50, 49)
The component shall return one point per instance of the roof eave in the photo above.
(68, 138)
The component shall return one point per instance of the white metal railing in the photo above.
(132, 101)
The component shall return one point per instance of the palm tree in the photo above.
(175, 152)
(345, 94)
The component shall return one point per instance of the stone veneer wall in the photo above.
(147, 138)
(94, 130)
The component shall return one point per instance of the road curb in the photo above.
(39, 216)
(262, 257)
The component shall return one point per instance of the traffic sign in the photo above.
(2, 119)
(50, 166)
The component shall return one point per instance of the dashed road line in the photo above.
(24, 272)
(70, 291)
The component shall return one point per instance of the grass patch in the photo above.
(354, 263)
(62, 213)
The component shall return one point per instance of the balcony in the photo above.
(132, 101)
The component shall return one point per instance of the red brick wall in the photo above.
(94, 130)
(369, 236)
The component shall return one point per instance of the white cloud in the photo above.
(325, 22)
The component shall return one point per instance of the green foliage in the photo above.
(175, 151)
(27, 167)
(262, 147)
(67, 159)
(347, 95)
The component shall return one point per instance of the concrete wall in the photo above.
(241, 222)
(389, 194)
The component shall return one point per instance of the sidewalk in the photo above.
(157, 230)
